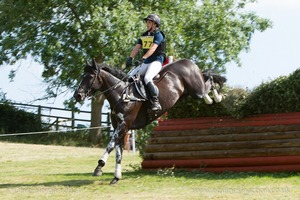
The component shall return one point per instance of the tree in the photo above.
(61, 35)
(218, 31)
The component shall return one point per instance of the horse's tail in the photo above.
(220, 80)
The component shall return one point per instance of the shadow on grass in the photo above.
(78, 179)
(69, 180)
(83, 179)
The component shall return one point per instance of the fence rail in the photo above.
(60, 118)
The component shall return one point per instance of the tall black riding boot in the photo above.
(154, 92)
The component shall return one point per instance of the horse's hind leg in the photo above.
(210, 86)
(204, 93)
(118, 168)
(217, 96)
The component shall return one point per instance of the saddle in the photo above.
(136, 90)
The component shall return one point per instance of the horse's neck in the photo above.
(112, 87)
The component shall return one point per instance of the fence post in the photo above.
(73, 119)
(57, 124)
(39, 114)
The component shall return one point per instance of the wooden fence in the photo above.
(261, 143)
(60, 118)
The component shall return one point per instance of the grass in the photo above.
(56, 172)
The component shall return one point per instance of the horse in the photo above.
(175, 80)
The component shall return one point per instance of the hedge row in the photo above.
(13, 120)
(277, 96)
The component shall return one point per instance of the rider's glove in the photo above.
(129, 62)
(142, 60)
(139, 62)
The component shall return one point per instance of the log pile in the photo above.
(268, 143)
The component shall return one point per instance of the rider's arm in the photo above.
(151, 50)
(135, 50)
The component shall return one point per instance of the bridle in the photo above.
(88, 91)
(97, 77)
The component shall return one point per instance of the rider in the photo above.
(154, 46)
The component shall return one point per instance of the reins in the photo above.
(115, 86)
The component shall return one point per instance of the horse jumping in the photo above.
(177, 79)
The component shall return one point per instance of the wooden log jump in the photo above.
(260, 143)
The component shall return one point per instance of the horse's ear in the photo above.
(95, 66)
(87, 63)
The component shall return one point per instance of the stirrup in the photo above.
(156, 106)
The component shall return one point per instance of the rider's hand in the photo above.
(129, 62)
(139, 62)
(142, 60)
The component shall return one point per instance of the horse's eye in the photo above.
(85, 75)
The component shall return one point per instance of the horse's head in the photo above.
(90, 82)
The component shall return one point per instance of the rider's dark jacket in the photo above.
(157, 37)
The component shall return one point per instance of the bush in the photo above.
(235, 97)
(13, 120)
(192, 108)
(277, 96)
(142, 137)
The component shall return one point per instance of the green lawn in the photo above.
(56, 172)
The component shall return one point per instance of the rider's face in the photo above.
(150, 25)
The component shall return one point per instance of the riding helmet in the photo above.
(154, 18)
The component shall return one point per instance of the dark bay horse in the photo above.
(179, 78)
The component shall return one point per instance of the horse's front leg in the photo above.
(111, 145)
(116, 142)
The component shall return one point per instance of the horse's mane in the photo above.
(114, 71)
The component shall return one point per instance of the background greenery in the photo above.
(277, 96)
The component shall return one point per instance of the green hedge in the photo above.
(13, 120)
(192, 108)
(277, 96)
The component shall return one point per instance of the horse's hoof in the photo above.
(114, 181)
(98, 171)
(207, 99)
(217, 97)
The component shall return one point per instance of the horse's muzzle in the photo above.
(79, 96)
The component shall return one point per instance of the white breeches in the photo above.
(149, 71)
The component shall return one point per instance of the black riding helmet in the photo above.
(154, 18)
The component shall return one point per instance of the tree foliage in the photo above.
(218, 31)
(61, 35)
